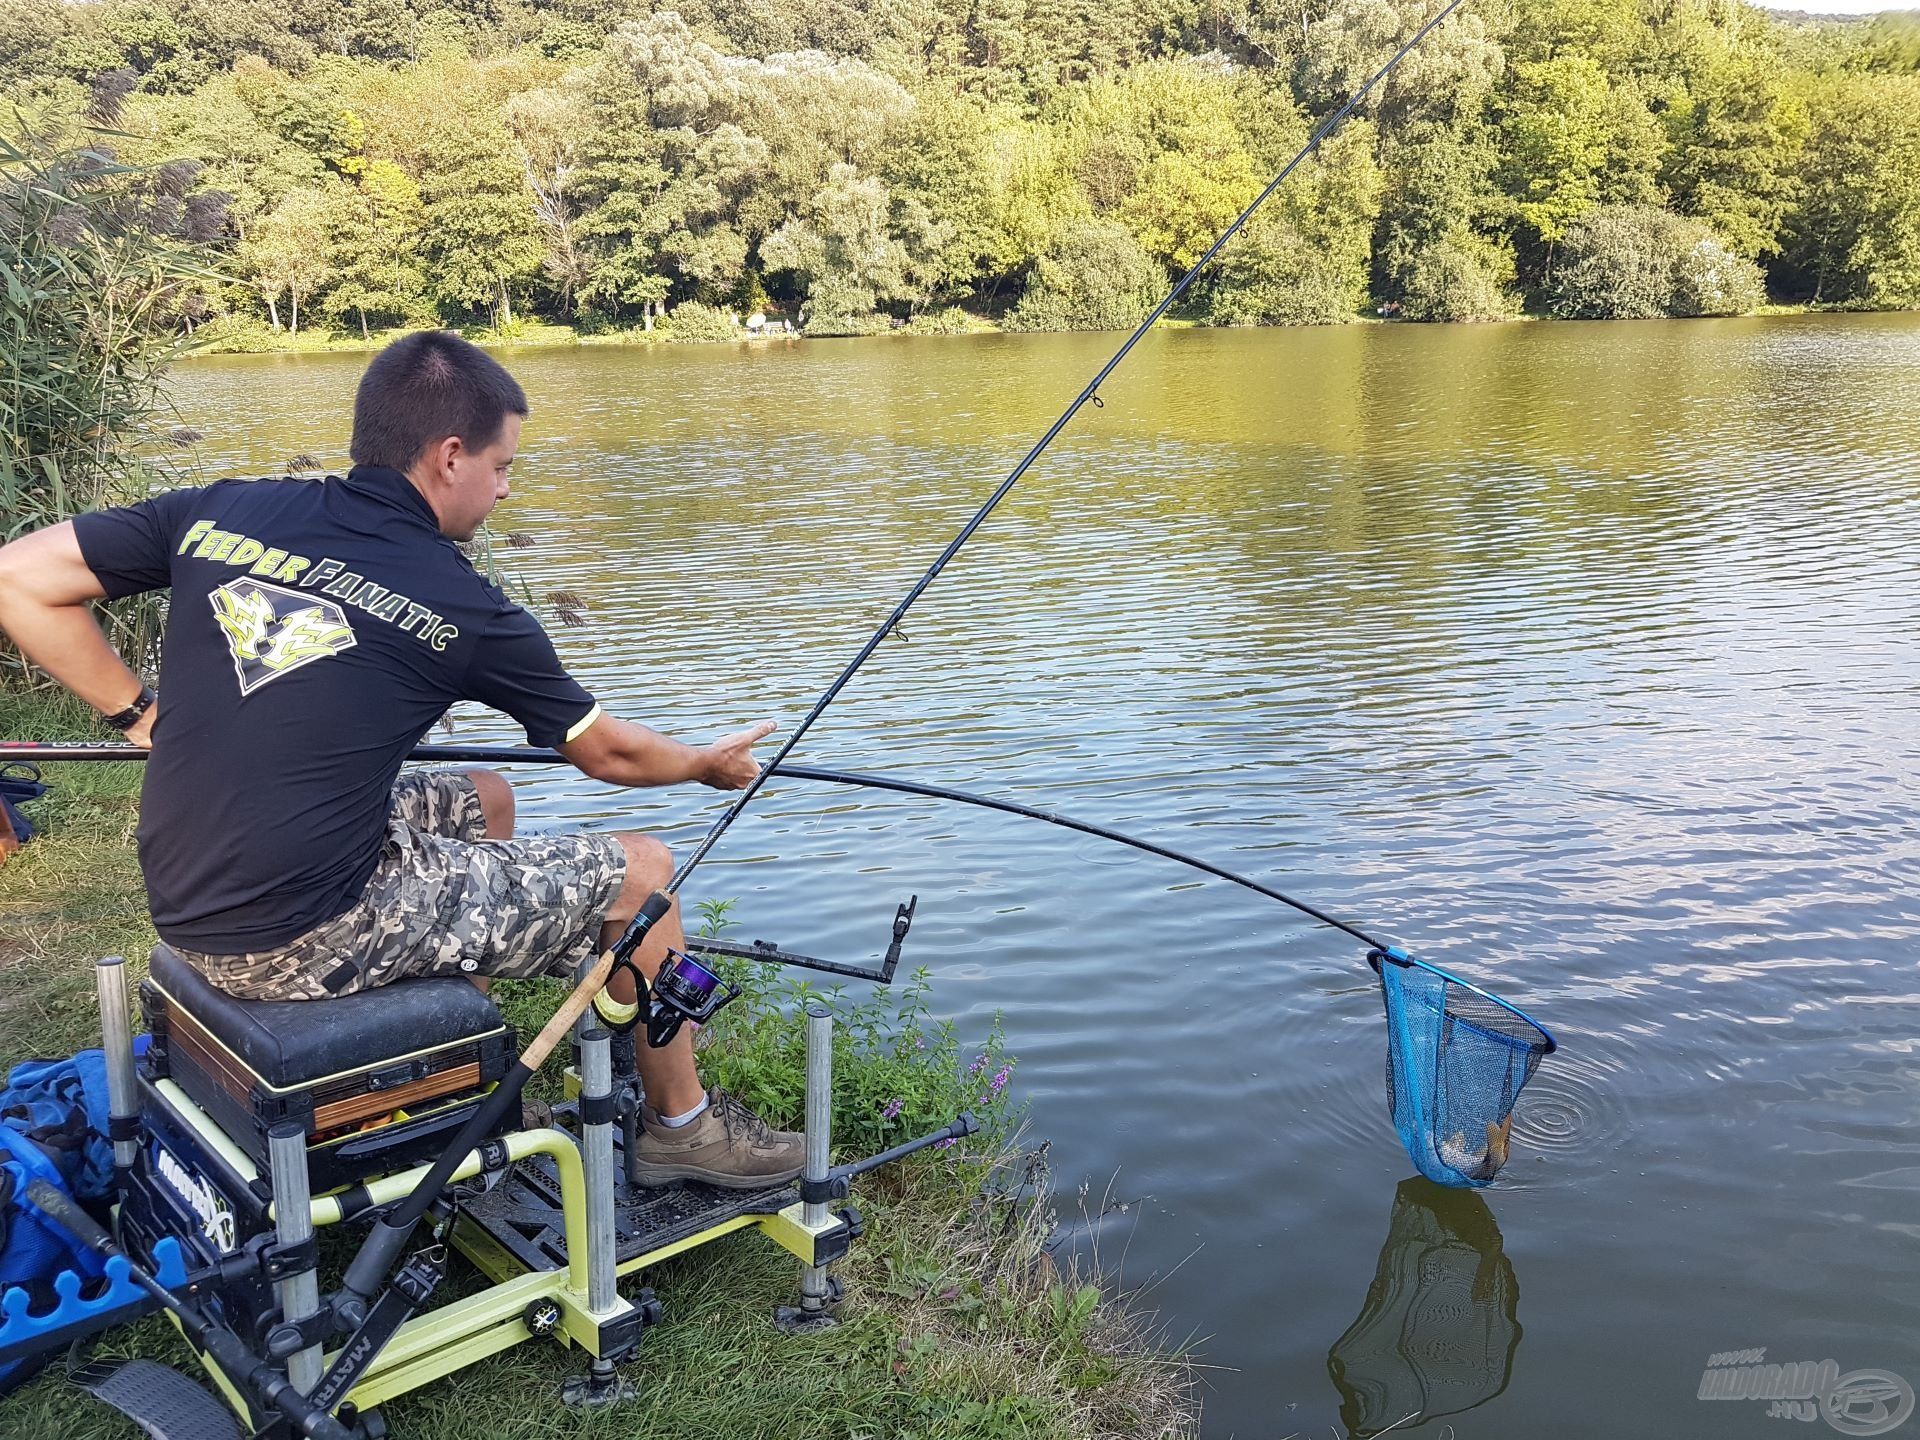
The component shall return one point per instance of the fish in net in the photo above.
(1457, 1059)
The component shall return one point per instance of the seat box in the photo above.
(378, 1080)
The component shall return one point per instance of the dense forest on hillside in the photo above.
(1051, 163)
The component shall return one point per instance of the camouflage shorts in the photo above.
(443, 901)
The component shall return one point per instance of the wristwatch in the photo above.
(124, 719)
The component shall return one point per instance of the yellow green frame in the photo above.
(437, 1344)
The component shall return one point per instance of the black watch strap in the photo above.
(124, 720)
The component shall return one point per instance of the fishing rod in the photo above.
(1089, 392)
(866, 780)
(387, 1239)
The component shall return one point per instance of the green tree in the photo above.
(1304, 257)
(374, 232)
(1735, 138)
(551, 127)
(287, 253)
(1855, 238)
(481, 237)
(1448, 74)
(1555, 137)
(1437, 188)
(1634, 262)
(1095, 276)
(844, 252)
(942, 154)
(1461, 277)
(663, 166)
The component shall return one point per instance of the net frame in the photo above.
(1422, 1026)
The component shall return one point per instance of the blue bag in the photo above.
(61, 1106)
(53, 1127)
(17, 788)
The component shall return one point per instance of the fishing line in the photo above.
(866, 780)
(1088, 393)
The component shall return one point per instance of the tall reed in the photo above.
(99, 262)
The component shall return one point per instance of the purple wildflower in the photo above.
(892, 1109)
(943, 1144)
(977, 1066)
(1000, 1078)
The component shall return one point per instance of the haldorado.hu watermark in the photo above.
(1860, 1402)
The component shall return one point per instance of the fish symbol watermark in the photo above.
(1859, 1402)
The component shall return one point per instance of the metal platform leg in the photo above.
(819, 1292)
(116, 1042)
(293, 1218)
(603, 1384)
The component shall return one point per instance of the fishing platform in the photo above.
(244, 1129)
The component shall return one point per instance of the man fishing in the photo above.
(316, 631)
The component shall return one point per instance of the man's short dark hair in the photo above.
(423, 388)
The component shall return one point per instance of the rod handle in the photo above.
(561, 1025)
(65, 1212)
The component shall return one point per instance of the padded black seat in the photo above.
(290, 1043)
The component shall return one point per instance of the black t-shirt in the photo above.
(316, 631)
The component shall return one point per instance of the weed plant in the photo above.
(897, 1072)
(98, 266)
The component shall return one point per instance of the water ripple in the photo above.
(1581, 658)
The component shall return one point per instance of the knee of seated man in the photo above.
(496, 802)
(649, 863)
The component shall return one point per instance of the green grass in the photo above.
(959, 1326)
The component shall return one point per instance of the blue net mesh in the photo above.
(1456, 1061)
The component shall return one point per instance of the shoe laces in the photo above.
(738, 1119)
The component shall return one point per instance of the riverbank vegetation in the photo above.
(960, 1325)
(853, 167)
(97, 257)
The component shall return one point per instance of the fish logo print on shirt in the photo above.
(273, 631)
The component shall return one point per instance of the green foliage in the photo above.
(1735, 130)
(845, 252)
(897, 1073)
(693, 321)
(950, 321)
(1460, 277)
(847, 326)
(1096, 277)
(1632, 262)
(396, 163)
(1304, 258)
(97, 257)
(1856, 238)
(1556, 137)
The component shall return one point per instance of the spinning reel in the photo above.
(684, 990)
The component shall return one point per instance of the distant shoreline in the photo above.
(552, 336)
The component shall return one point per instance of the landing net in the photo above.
(1457, 1059)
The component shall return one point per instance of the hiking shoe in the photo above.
(728, 1146)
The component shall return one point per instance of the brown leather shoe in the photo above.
(728, 1146)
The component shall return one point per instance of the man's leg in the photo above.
(672, 1082)
(496, 803)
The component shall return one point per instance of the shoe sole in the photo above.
(653, 1175)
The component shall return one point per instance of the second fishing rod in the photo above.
(384, 1245)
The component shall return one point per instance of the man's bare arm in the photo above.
(44, 589)
(623, 753)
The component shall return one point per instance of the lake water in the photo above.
(1582, 658)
